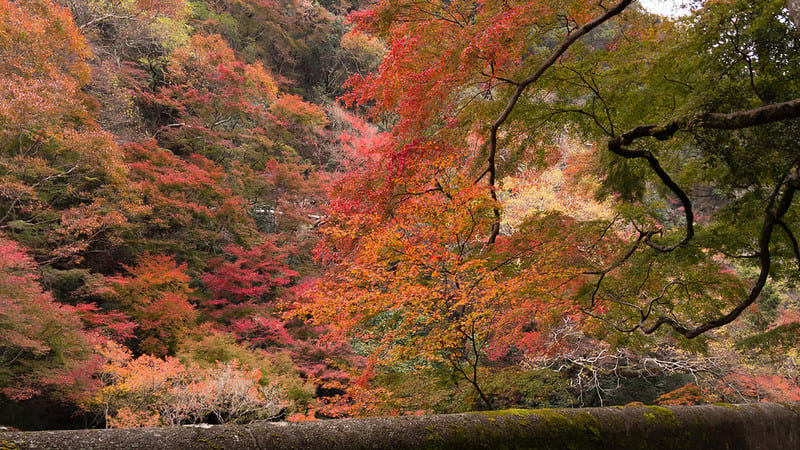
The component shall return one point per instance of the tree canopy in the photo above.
(239, 210)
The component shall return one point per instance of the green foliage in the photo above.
(776, 340)
(507, 387)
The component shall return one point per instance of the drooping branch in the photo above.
(720, 121)
(521, 86)
(773, 216)
(616, 147)
(792, 239)
(770, 221)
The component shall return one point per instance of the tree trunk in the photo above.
(794, 10)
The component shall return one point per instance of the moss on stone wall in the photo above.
(707, 427)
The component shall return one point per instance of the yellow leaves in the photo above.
(260, 80)
(49, 138)
(565, 187)
(361, 46)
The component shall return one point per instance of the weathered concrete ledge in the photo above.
(751, 426)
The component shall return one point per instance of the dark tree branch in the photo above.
(473, 377)
(615, 146)
(523, 85)
(643, 236)
(792, 239)
(775, 112)
(773, 216)
(720, 121)
(737, 120)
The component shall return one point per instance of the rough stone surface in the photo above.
(730, 427)
(794, 10)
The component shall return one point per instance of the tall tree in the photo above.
(476, 92)
(55, 160)
(44, 348)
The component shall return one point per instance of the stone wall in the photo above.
(753, 426)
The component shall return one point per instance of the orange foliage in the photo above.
(690, 394)
(149, 391)
(764, 388)
(156, 293)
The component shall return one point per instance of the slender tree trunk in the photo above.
(794, 10)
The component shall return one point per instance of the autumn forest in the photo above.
(229, 211)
